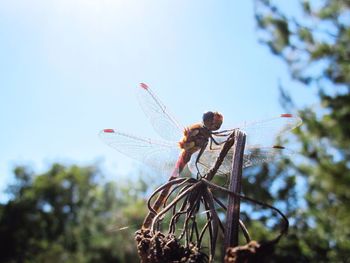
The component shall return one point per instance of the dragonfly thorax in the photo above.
(195, 137)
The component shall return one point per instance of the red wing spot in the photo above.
(278, 147)
(286, 115)
(144, 86)
(108, 130)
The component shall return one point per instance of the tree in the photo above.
(315, 45)
(68, 215)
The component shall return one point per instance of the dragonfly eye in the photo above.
(212, 120)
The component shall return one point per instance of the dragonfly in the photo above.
(198, 145)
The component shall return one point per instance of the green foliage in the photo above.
(318, 40)
(64, 215)
(316, 188)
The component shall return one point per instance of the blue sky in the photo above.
(68, 68)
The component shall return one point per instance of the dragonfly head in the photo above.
(212, 120)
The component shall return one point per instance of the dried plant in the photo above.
(183, 204)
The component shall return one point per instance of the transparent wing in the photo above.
(160, 155)
(266, 132)
(162, 121)
(261, 136)
(252, 156)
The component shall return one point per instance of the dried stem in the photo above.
(241, 224)
(233, 208)
(224, 190)
(159, 201)
(182, 197)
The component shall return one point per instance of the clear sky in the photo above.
(68, 68)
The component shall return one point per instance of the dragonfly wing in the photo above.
(256, 155)
(252, 156)
(162, 121)
(160, 155)
(266, 132)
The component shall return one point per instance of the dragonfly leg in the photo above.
(210, 144)
(197, 160)
(212, 140)
(223, 132)
(222, 135)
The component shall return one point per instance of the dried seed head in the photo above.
(157, 247)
